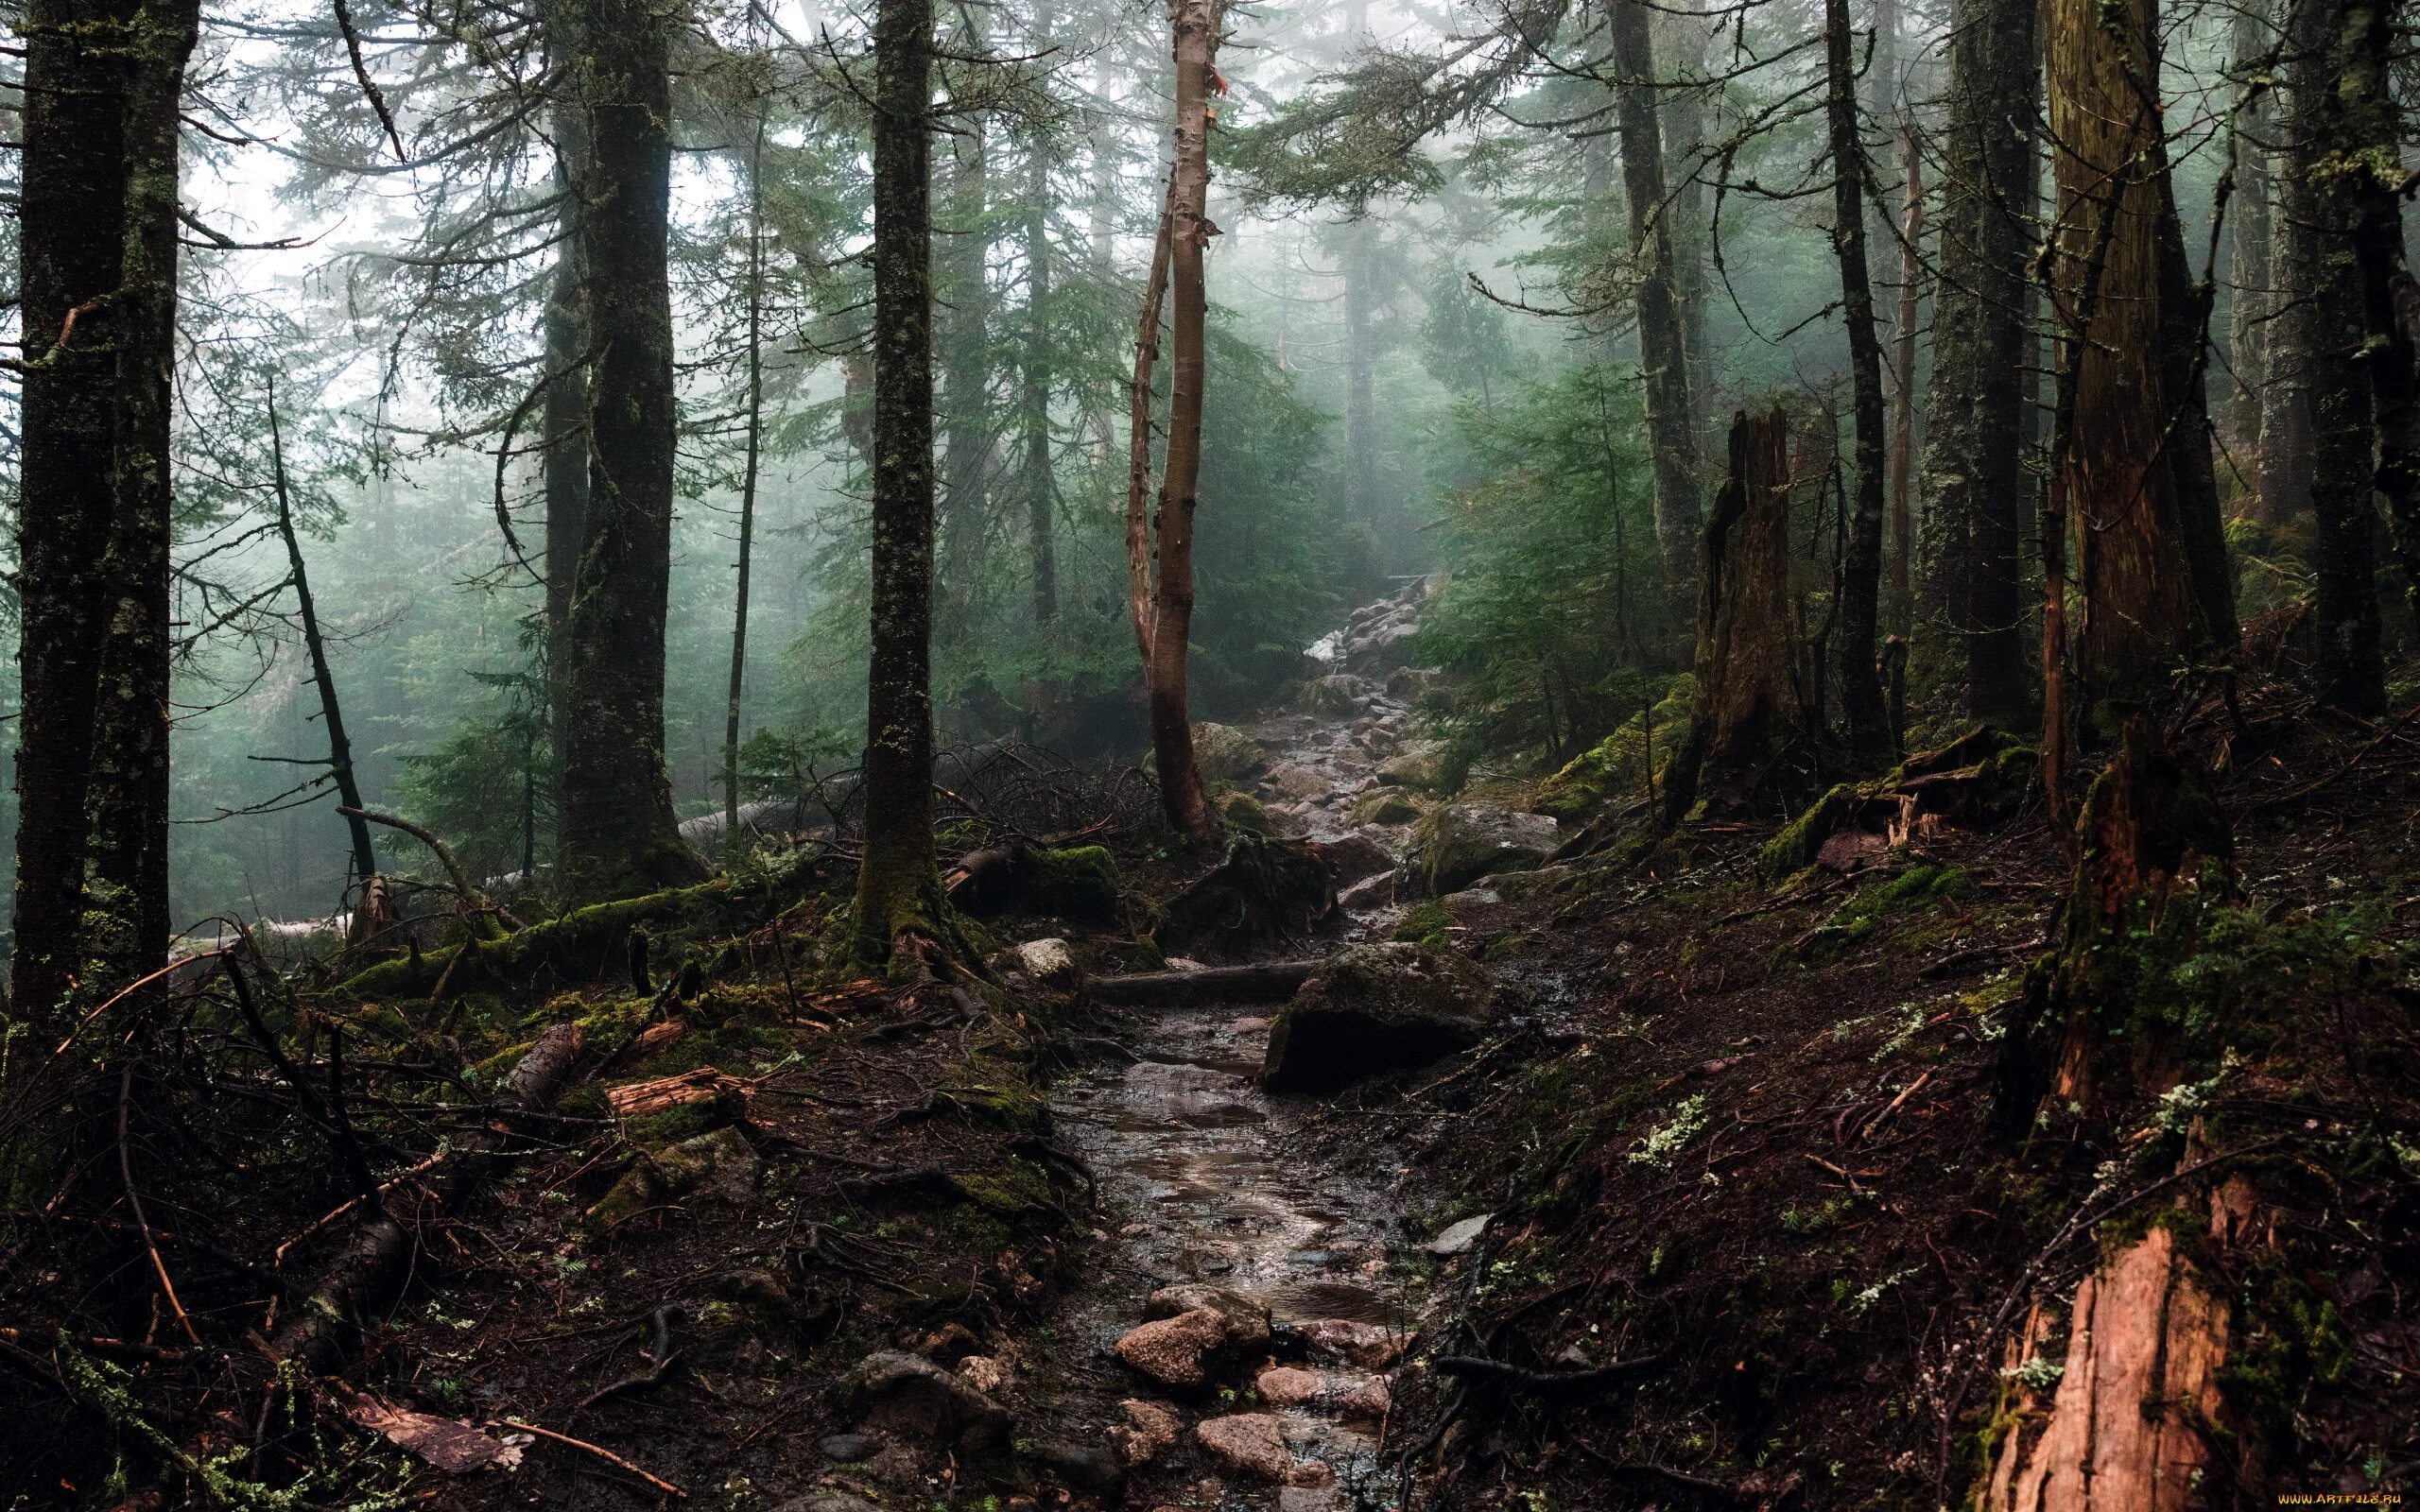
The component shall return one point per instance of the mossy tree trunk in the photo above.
(898, 886)
(1857, 615)
(1744, 711)
(1036, 378)
(619, 835)
(2141, 504)
(1972, 505)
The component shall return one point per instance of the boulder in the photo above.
(1462, 842)
(1248, 1443)
(1336, 693)
(1366, 1402)
(910, 1396)
(1264, 890)
(1370, 892)
(1246, 1321)
(1375, 1007)
(1418, 764)
(1370, 1345)
(1296, 782)
(1388, 805)
(1048, 962)
(1353, 857)
(1286, 1385)
(1179, 1352)
(849, 1448)
(1096, 1468)
(1412, 684)
(1225, 754)
(1149, 1431)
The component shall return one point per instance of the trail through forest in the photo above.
(1210, 1186)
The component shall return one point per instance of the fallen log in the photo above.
(1262, 982)
(375, 1264)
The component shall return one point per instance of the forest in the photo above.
(863, 755)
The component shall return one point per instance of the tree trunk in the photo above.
(1189, 230)
(747, 489)
(898, 888)
(365, 855)
(1138, 443)
(1856, 624)
(1743, 710)
(2294, 337)
(619, 834)
(71, 229)
(2369, 182)
(1663, 355)
(1903, 372)
(2141, 500)
(1041, 491)
(963, 336)
(1360, 394)
(565, 414)
(126, 901)
(2249, 234)
(1683, 123)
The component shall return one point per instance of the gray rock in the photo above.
(1375, 1007)
(1356, 857)
(1370, 892)
(1048, 962)
(1417, 764)
(911, 1397)
(1296, 782)
(1337, 692)
(1457, 1237)
(1472, 898)
(849, 1448)
(1096, 1468)
(1226, 754)
(1462, 842)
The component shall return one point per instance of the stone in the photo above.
(1376, 1007)
(1367, 1402)
(1286, 1385)
(1353, 857)
(1369, 1346)
(1048, 962)
(1246, 1443)
(1225, 754)
(828, 1502)
(911, 1397)
(1370, 892)
(1337, 692)
(1419, 763)
(1472, 898)
(1387, 805)
(1246, 1321)
(1457, 1237)
(1151, 1429)
(1295, 781)
(1462, 842)
(1096, 1468)
(848, 1449)
(1412, 684)
(1177, 1352)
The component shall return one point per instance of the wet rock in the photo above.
(1370, 892)
(1151, 1431)
(1388, 805)
(1049, 962)
(1311, 1474)
(1472, 898)
(1375, 1007)
(1420, 763)
(1296, 782)
(1248, 1443)
(1367, 1402)
(1462, 842)
(1226, 754)
(828, 1502)
(849, 1448)
(1412, 684)
(908, 1395)
(1356, 857)
(1246, 1321)
(1516, 885)
(1177, 1352)
(1336, 693)
(1095, 1468)
(1457, 1237)
(1284, 1385)
(1369, 1346)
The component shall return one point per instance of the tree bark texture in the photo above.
(963, 336)
(898, 885)
(1189, 230)
(98, 283)
(619, 834)
(1663, 355)
(1976, 412)
(1744, 711)
(754, 444)
(2250, 230)
(1361, 389)
(1903, 377)
(564, 416)
(1856, 620)
(2141, 500)
(1041, 488)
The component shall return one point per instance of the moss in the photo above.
(1428, 923)
(1794, 849)
(1386, 805)
(1078, 884)
(1242, 811)
(1615, 767)
(583, 944)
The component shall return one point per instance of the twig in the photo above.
(445, 858)
(1550, 1381)
(602, 1452)
(126, 1171)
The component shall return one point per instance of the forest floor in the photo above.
(1713, 1215)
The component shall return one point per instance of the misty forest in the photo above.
(865, 755)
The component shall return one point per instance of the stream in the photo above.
(1202, 1171)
